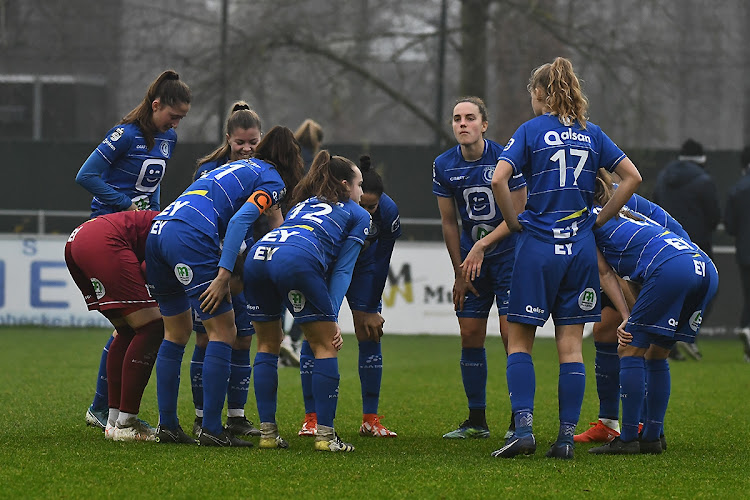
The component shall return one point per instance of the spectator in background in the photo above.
(685, 190)
(737, 222)
(309, 136)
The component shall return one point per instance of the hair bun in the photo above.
(364, 163)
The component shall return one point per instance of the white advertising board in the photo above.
(36, 289)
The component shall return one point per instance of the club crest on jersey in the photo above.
(695, 320)
(98, 288)
(297, 300)
(164, 148)
(487, 174)
(183, 273)
(115, 136)
(587, 299)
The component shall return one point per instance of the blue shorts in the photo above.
(557, 279)
(493, 285)
(180, 263)
(360, 296)
(291, 277)
(241, 318)
(671, 303)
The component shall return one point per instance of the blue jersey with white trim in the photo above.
(385, 225)
(559, 164)
(639, 204)
(205, 168)
(134, 170)
(318, 228)
(634, 248)
(211, 201)
(469, 183)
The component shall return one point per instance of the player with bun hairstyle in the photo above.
(306, 265)
(243, 133)
(190, 267)
(559, 153)
(125, 171)
(364, 297)
(461, 181)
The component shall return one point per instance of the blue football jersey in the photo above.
(385, 225)
(134, 171)
(559, 164)
(211, 201)
(469, 183)
(319, 228)
(634, 248)
(205, 168)
(639, 204)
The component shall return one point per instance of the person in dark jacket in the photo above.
(688, 193)
(737, 223)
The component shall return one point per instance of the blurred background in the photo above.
(380, 77)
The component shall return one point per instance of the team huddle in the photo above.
(545, 230)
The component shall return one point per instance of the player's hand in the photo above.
(373, 323)
(472, 264)
(132, 208)
(623, 337)
(217, 291)
(338, 340)
(460, 288)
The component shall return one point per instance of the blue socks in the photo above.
(266, 383)
(101, 395)
(196, 376)
(239, 379)
(306, 365)
(607, 370)
(215, 382)
(522, 386)
(570, 388)
(632, 388)
(474, 376)
(325, 386)
(168, 362)
(370, 374)
(659, 387)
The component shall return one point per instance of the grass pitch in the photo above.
(47, 380)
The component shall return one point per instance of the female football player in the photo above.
(555, 272)
(306, 265)
(678, 281)
(364, 297)
(243, 133)
(461, 181)
(105, 256)
(124, 173)
(190, 267)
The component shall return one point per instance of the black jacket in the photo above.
(737, 218)
(689, 194)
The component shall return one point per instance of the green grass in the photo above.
(47, 377)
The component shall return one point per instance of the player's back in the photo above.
(635, 246)
(559, 163)
(320, 228)
(211, 201)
